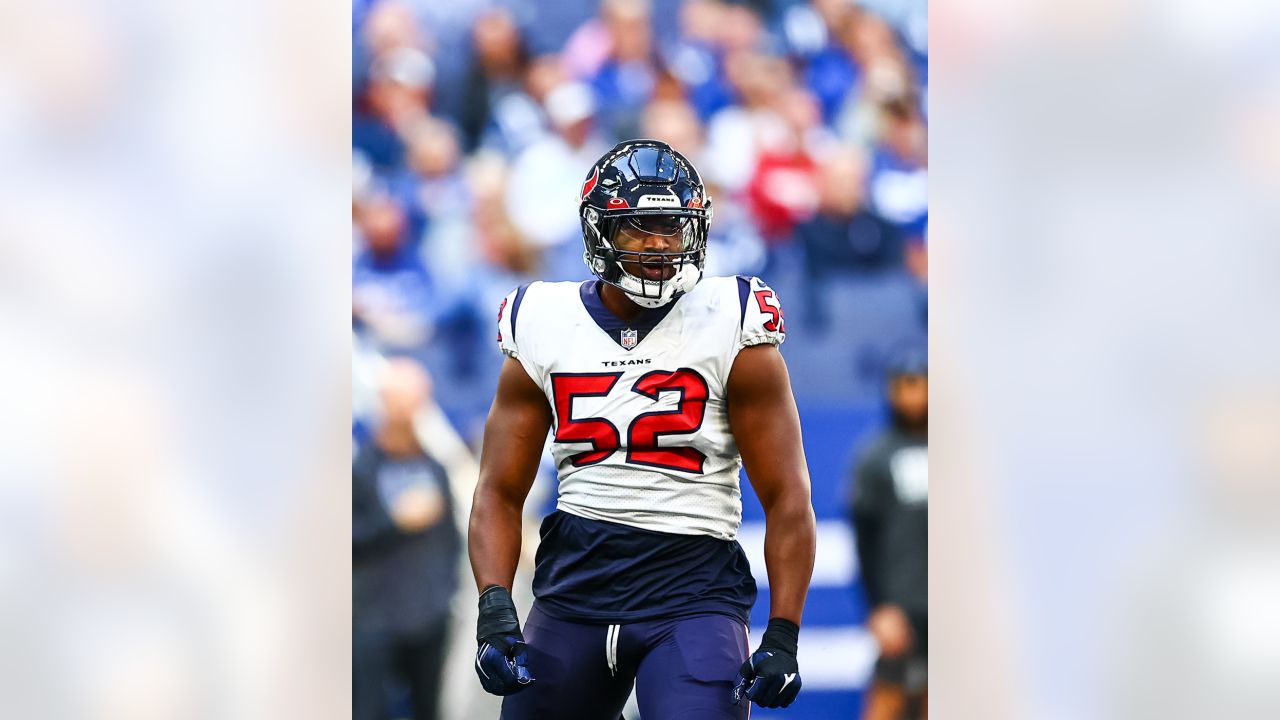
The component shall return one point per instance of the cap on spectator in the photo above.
(907, 357)
(405, 66)
(570, 103)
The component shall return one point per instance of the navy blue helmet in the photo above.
(649, 189)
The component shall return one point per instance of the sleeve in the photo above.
(867, 514)
(508, 314)
(762, 320)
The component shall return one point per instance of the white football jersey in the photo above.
(640, 428)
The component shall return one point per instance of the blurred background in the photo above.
(473, 125)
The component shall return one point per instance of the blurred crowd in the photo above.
(474, 123)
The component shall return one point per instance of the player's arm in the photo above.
(766, 425)
(514, 436)
(764, 421)
(513, 439)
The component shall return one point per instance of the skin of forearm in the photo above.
(790, 543)
(494, 540)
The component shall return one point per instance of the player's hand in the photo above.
(502, 664)
(502, 661)
(891, 629)
(771, 676)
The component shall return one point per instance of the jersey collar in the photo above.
(615, 327)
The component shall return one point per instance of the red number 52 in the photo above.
(645, 429)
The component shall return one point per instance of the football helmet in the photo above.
(645, 214)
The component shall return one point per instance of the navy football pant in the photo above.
(682, 669)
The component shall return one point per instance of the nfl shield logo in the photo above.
(630, 338)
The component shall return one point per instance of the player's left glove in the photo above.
(502, 660)
(771, 676)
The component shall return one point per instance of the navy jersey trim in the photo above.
(613, 326)
(515, 307)
(744, 292)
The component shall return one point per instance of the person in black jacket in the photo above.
(405, 552)
(890, 513)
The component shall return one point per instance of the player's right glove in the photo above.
(771, 676)
(501, 658)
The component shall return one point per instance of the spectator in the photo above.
(675, 123)
(426, 182)
(546, 180)
(831, 72)
(741, 28)
(890, 513)
(391, 289)
(432, 159)
(499, 247)
(627, 77)
(405, 553)
(442, 192)
(784, 185)
(883, 76)
(736, 135)
(389, 26)
(451, 44)
(900, 170)
(590, 45)
(494, 93)
(382, 27)
(546, 73)
(395, 98)
(696, 58)
(845, 235)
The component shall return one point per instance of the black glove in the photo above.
(771, 676)
(501, 659)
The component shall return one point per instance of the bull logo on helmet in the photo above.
(590, 184)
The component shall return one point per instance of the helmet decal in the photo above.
(590, 184)
(658, 201)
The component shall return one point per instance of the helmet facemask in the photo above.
(652, 257)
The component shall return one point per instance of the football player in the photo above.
(658, 385)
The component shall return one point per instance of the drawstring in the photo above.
(611, 648)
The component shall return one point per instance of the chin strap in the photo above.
(683, 282)
(686, 278)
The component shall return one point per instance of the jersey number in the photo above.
(645, 429)
(769, 305)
